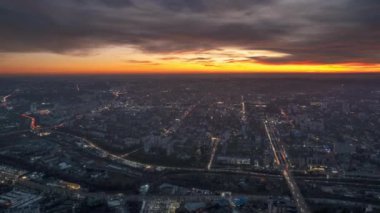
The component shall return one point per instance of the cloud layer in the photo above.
(312, 31)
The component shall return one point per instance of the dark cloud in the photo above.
(180, 5)
(310, 31)
(107, 3)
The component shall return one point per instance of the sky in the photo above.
(186, 36)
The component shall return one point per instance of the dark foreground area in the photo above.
(190, 143)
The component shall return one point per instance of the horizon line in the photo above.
(185, 73)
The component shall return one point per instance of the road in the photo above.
(134, 164)
(172, 129)
(33, 123)
(131, 152)
(349, 181)
(132, 197)
(281, 159)
(86, 143)
(215, 141)
(244, 118)
(279, 150)
(5, 98)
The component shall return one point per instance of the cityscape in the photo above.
(190, 143)
(190, 106)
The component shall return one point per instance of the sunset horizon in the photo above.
(94, 62)
(167, 36)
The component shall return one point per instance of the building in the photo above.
(20, 202)
(33, 108)
(159, 206)
(233, 160)
(280, 205)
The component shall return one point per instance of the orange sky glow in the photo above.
(188, 36)
(111, 60)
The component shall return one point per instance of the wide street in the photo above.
(281, 160)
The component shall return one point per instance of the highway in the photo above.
(86, 143)
(134, 197)
(138, 165)
(130, 197)
(187, 198)
(5, 98)
(349, 181)
(274, 142)
(215, 142)
(282, 162)
(131, 152)
(33, 123)
(243, 118)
